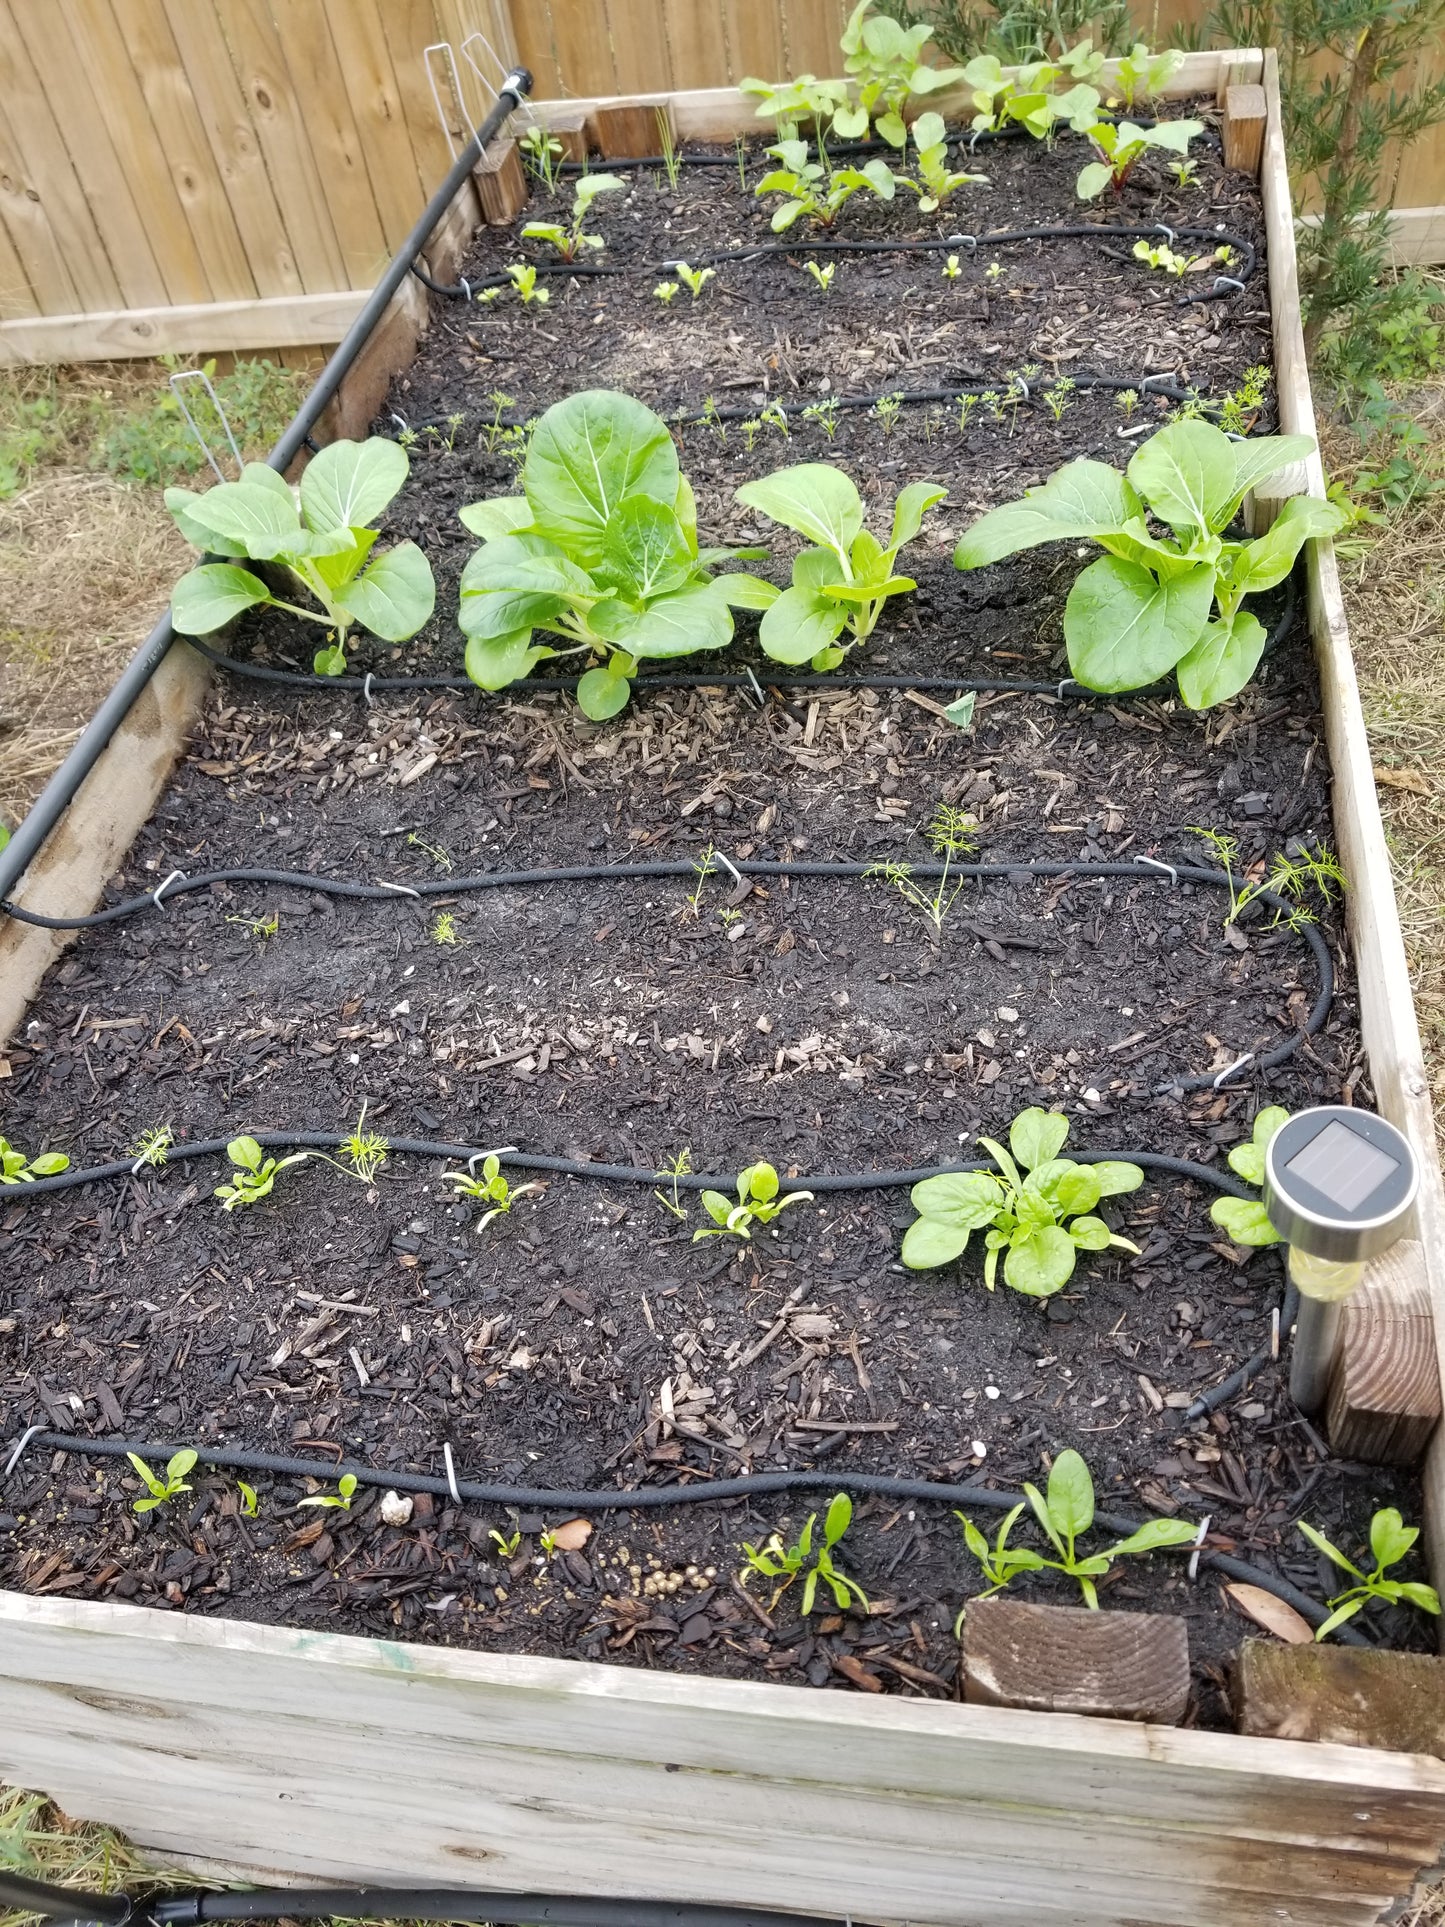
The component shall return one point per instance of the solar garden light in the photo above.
(1339, 1188)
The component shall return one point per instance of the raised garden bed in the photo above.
(583, 1341)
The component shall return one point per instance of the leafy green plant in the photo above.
(824, 276)
(1001, 1563)
(844, 580)
(1239, 410)
(1184, 171)
(572, 240)
(338, 1501)
(600, 551)
(253, 1174)
(778, 1561)
(886, 64)
(542, 154)
(825, 414)
(1163, 258)
(887, 409)
(1066, 1512)
(680, 1167)
(792, 104)
(444, 930)
(1120, 145)
(1025, 97)
(1148, 606)
(1141, 75)
(161, 1491)
(153, 1146)
(317, 535)
(758, 1203)
(1040, 1222)
(951, 834)
(250, 1503)
(951, 268)
(694, 279)
(492, 1188)
(666, 292)
(508, 1544)
(17, 1168)
(1290, 874)
(813, 192)
(524, 285)
(1390, 1540)
(1245, 1220)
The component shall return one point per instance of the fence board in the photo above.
(370, 79)
(536, 51)
(17, 297)
(639, 46)
(755, 38)
(698, 48)
(813, 29)
(411, 26)
(27, 221)
(580, 37)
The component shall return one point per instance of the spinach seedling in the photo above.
(1040, 1222)
(542, 155)
(253, 1175)
(776, 1561)
(1151, 605)
(758, 1203)
(160, 1491)
(599, 553)
(491, 1188)
(338, 1501)
(951, 834)
(1140, 75)
(1243, 1220)
(250, 1503)
(1120, 146)
(1390, 1540)
(17, 1168)
(1001, 1562)
(153, 1146)
(694, 279)
(572, 240)
(937, 181)
(680, 1167)
(318, 534)
(1067, 1511)
(845, 581)
(815, 193)
(666, 292)
(823, 276)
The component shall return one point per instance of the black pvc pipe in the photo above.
(62, 1904)
(58, 793)
(457, 1903)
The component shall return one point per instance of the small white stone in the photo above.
(395, 1510)
(990, 1391)
(765, 1025)
(980, 1450)
(1008, 1014)
(403, 1009)
(1090, 1096)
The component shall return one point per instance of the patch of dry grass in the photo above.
(39, 1842)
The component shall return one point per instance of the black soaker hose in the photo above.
(45, 812)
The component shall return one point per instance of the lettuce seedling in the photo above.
(317, 534)
(758, 1203)
(1025, 1216)
(776, 1561)
(816, 192)
(1244, 1220)
(17, 1168)
(1140, 75)
(1149, 605)
(570, 241)
(253, 1174)
(693, 279)
(885, 63)
(844, 581)
(1120, 145)
(937, 180)
(600, 551)
(171, 1486)
(1390, 1540)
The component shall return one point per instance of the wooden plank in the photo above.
(629, 129)
(754, 31)
(537, 50)
(307, 44)
(366, 68)
(501, 183)
(411, 27)
(1384, 1398)
(583, 48)
(1417, 235)
(38, 136)
(17, 297)
(640, 50)
(699, 51)
(1243, 127)
(280, 120)
(1066, 1659)
(27, 225)
(145, 33)
(291, 321)
(812, 30)
(1346, 1695)
(406, 1762)
(69, 90)
(140, 156)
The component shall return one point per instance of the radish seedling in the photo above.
(1120, 146)
(1140, 75)
(1390, 1540)
(524, 282)
(885, 62)
(573, 240)
(937, 180)
(814, 192)
(666, 292)
(758, 1203)
(161, 1491)
(776, 1561)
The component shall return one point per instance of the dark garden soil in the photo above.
(584, 1339)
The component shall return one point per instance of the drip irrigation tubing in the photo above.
(179, 884)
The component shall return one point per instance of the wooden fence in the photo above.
(197, 175)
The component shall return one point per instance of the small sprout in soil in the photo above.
(694, 279)
(1291, 873)
(951, 834)
(258, 927)
(340, 1499)
(666, 292)
(680, 1167)
(365, 1151)
(1151, 605)
(508, 1544)
(444, 929)
(542, 155)
(751, 429)
(547, 1540)
(825, 414)
(740, 154)
(1390, 1540)
(1239, 410)
(777, 1561)
(844, 582)
(951, 268)
(407, 438)
(667, 147)
(704, 867)
(815, 194)
(171, 1486)
(886, 411)
(485, 298)
(524, 281)
(937, 180)
(448, 441)
(496, 430)
(253, 1175)
(1025, 1216)
(1141, 75)
(1120, 145)
(572, 240)
(1066, 1512)
(1060, 396)
(1184, 171)
(776, 416)
(491, 1187)
(1163, 258)
(966, 405)
(728, 916)
(994, 403)
(153, 1146)
(994, 271)
(438, 853)
(758, 1203)
(823, 276)
(1000, 1561)
(711, 417)
(250, 1504)
(1126, 401)
(1244, 1220)
(16, 1168)
(316, 532)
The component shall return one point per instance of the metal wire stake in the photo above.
(176, 384)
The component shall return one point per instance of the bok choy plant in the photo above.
(1151, 604)
(885, 62)
(600, 551)
(317, 534)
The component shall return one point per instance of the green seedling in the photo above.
(439, 855)
(814, 193)
(936, 181)
(250, 1503)
(823, 276)
(494, 431)
(365, 1151)
(694, 279)
(1163, 258)
(1120, 145)
(952, 268)
(253, 1174)
(666, 292)
(1040, 1222)
(751, 428)
(1060, 396)
(703, 867)
(573, 240)
(776, 416)
(542, 155)
(1185, 172)
(951, 834)
(825, 414)
(885, 61)
(1126, 401)
(1141, 75)
(1289, 876)
(1245, 1220)
(1065, 1513)
(261, 928)
(316, 534)
(508, 1544)
(1153, 605)
(340, 1499)
(1390, 1540)
(447, 441)
(966, 406)
(1239, 410)
(993, 273)
(740, 155)
(680, 1167)
(17, 1168)
(153, 1146)
(711, 417)
(1001, 1563)
(491, 1188)
(778, 1561)
(547, 1540)
(599, 554)
(758, 1203)
(444, 929)
(844, 582)
(994, 402)
(886, 411)
(667, 147)
(524, 285)
(161, 1491)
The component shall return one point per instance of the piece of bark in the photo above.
(1066, 1659)
(628, 129)
(1347, 1695)
(1243, 129)
(1384, 1399)
(501, 184)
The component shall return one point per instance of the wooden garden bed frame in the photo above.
(324, 1757)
